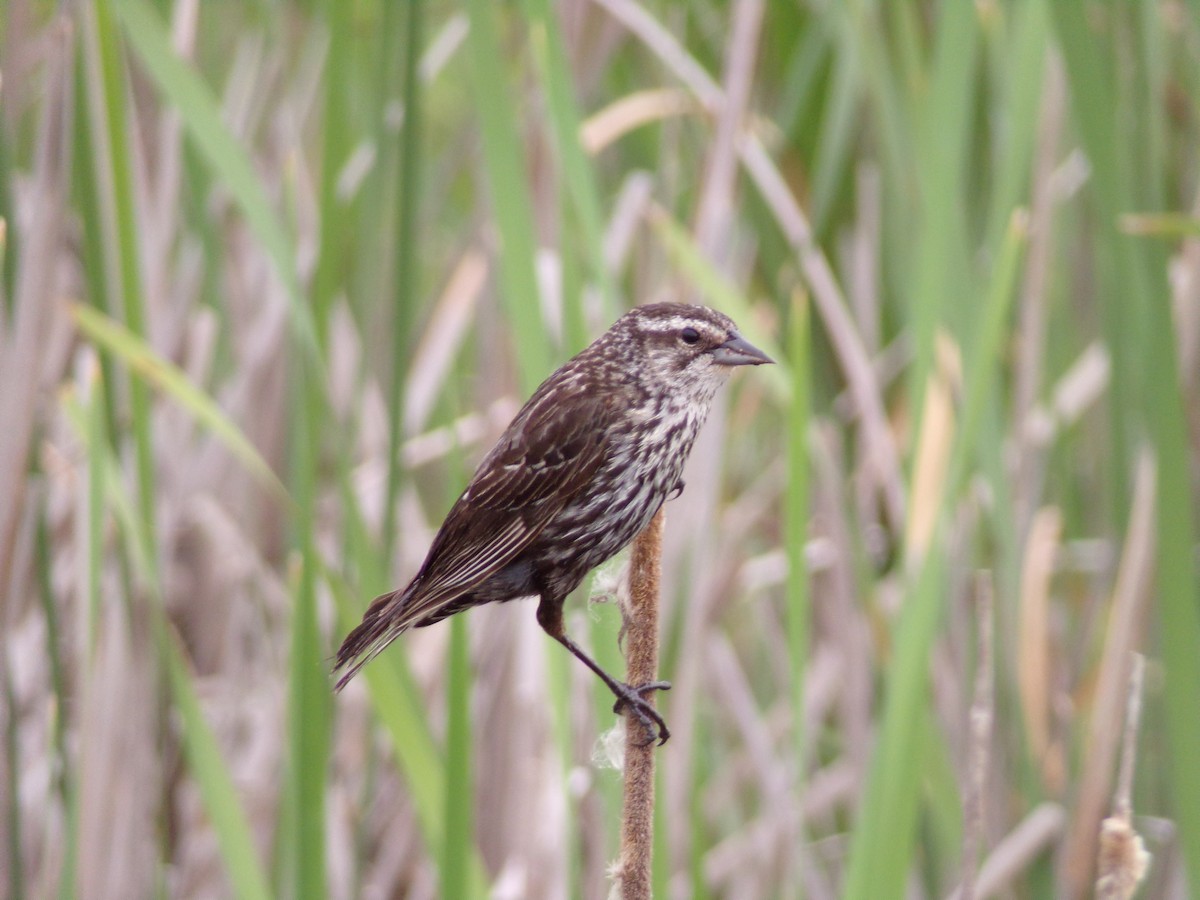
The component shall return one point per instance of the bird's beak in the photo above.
(737, 351)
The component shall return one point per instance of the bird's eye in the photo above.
(689, 335)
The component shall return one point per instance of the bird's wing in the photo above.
(546, 456)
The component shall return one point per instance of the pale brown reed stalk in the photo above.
(1123, 859)
(982, 716)
(641, 667)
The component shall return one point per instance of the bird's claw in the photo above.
(630, 697)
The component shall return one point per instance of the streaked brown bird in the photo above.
(583, 467)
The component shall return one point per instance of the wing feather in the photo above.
(545, 457)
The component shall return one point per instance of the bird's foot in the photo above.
(629, 697)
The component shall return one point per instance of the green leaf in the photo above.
(172, 381)
(201, 117)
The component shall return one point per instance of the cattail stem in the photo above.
(981, 718)
(641, 664)
(1123, 859)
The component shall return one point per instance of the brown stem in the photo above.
(641, 661)
(982, 716)
(1123, 860)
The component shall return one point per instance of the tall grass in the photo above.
(274, 276)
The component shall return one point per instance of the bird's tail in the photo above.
(385, 620)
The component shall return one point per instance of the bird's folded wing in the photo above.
(549, 453)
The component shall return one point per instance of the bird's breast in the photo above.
(644, 462)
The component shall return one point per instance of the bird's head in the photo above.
(691, 348)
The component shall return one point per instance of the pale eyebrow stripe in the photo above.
(675, 324)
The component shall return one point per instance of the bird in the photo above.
(582, 468)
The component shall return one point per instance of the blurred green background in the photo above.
(274, 275)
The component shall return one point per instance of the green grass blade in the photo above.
(212, 776)
(1146, 384)
(881, 852)
(459, 842)
(309, 701)
(796, 516)
(205, 763)
(500, 124)
(309, 735)
(575, 170)
(397, 704)
(184, 90)
(408, 236)
(12, 787)
(836, 135)
(1178, 585)
(121, 237)
(941, 262)
(1023, 83)
(337, 138)
(162, 375)
(68, 883)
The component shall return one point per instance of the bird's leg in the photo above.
(549, 616)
